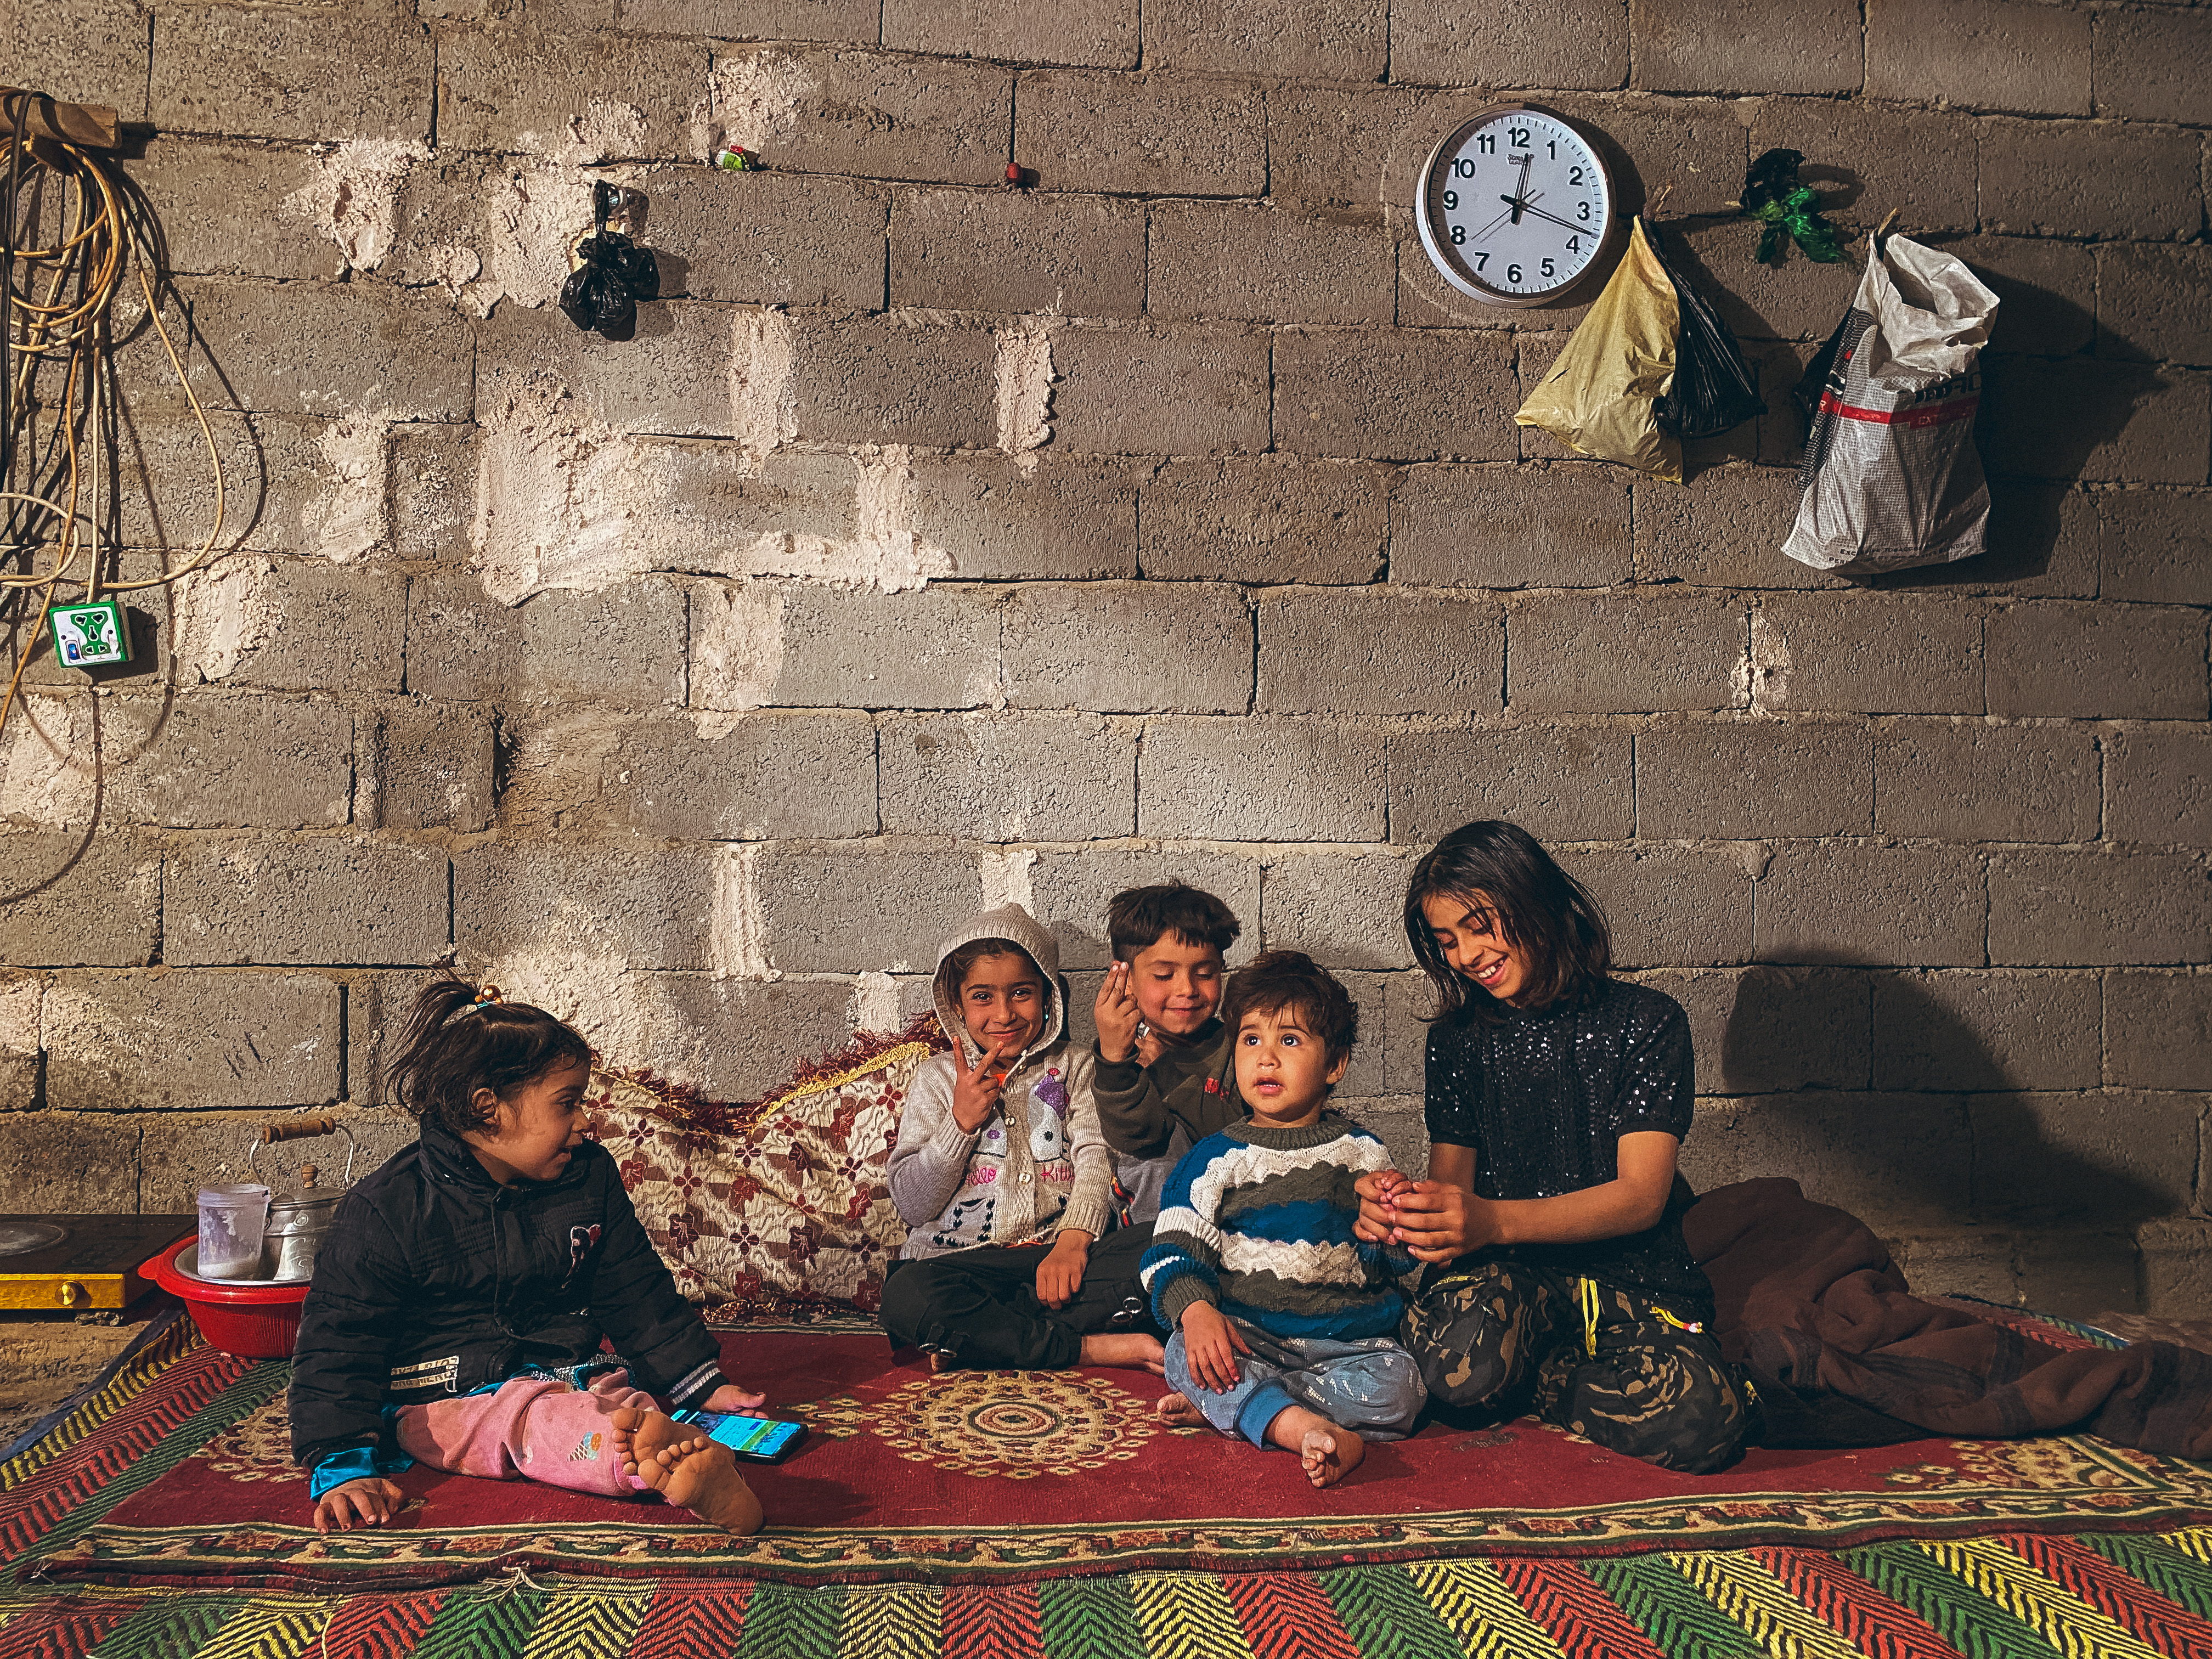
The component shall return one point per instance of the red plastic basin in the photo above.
(253, 1321)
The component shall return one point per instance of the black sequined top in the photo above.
(1544, 1097)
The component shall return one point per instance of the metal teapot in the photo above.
(297, 1226)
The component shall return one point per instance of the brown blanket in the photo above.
(1843, 1354)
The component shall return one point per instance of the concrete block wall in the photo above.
(936, 543)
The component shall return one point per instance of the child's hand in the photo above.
(732, 1400)
(368, 1502)
(1059, 1275)
(1116, 1012)
(976, 1089)
(1378, 1193)
(1211, 1345)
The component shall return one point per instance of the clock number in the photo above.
(1520, 137)
(1451, 200)
(1488, 144)
(1552, 146)
(1574, 245)
(1574, 175)
(1512, 273)
(1584, 214)
(1548, 267)
(1481, 260)
(1459, 235)
(1463, 169)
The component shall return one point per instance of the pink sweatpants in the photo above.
(534, 1428)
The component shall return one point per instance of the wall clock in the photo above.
(1516, 206)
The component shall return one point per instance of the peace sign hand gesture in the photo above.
(976, 1089)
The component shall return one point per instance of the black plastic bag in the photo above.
(602, 293)
(1714, 389)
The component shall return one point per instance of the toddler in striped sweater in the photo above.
(1283, 1320)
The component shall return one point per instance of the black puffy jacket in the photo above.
(435, 1280)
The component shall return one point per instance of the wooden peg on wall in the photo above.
(91, 126)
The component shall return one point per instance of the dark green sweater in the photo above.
(1192, 1083)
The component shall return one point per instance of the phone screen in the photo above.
(764, 1439)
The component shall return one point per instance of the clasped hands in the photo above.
(1432, 1220)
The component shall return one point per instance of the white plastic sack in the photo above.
(1891, 477)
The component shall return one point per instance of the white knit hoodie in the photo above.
(1035, 1165)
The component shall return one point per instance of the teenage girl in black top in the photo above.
(1558, 1097)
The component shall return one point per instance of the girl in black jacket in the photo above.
(459, 1304)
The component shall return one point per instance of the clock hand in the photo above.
(1492, 225)
(1521, 187)
(1565, 224)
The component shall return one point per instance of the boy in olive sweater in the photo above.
(1164, 1079)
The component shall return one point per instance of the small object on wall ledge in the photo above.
(610, 273)
(1790, 210)
(1018, 177)
(93, 125)
(731, 158)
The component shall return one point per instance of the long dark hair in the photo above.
(459, 1040)
(1542, 912)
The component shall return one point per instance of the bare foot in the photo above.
(1327, 1452)
(640, 1436)
(705, 1481)
(1133, 1349)
(1176, 1409)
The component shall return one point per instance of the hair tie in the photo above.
(488, 997)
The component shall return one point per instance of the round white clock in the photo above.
(1516, 206)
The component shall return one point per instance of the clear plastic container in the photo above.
(232, 1219)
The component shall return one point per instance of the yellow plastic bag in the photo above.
(1599, 394)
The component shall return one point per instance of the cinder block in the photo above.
(1731, 45)
(732, 1039)
(431, 492)
(1657, 651)
(1129, 647)
(1262, 265)
(674, 378)
(2152, 66)
(1355, 1090)
(1035, 777)
(2088, 178)
(1266, 520)
(20, 996)
(328, 348)
(620, 97)
(1911, 906)
(84, 51)
(1960, 1261)
(1072, 891)
(1379, 651)
(2155, 546)
(1558, 526)
(1330, 144)
(2040, 543)
(2087, 661)
(1345, 911)
(868, 380)
(279, 484)
(2089, 909)
(1866, 655)
(299, 901)
(769, 238)
(2097, 421)
(710, 506)
(1306, 39)
(1192, 391)
(1724, 529)
(1982, 54)
(869, 114)
(70, 1164)
(2155, 303)
(2113, 1155)
(1947, 1031)
(623, 646)
(2176, 1267)
(1918, 160)
(1557, 782)
(186, 1038)
(2158, 1031)
(294, 625)
(217, 205)
(1695, 144)
(79, 905)
(1893, 1161)
(2079, 1272)
(323, 74)
(1968, 780)
(378, 1006)
(1669, 907)
(430, 767)
(804, 646)
(846, 910)
(1001, 251)
(1092, 34)
(637, 906)
(1745, 779)
(1148, 135)
(857, 21)
(1560, 43)
(1058, 518)
(181, 1152)
(1764, 1030)
(2158, 786)
(1396, 394)
(1409, 1001)
(1261, 780)
(2046, 291)
(1799, 299)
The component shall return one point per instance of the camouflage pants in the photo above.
(1499, 1335)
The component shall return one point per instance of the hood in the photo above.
(1013, 923)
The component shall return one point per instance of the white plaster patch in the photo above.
(1026, 383)
(349, 518)
(529, 219)
(739, 938)
(885, 554)
(42, 781)
(1006, 873)
(224, 612)
(876, 1004)
(607, 131)
(542, 465)
(763, 413)
(1765, 678)
(354, 197)
(590, 990)
(737, 646)
(752, 101)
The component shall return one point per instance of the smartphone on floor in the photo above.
(754, 1439)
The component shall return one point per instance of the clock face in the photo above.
(1516, 206)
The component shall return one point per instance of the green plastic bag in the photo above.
(1598, 398)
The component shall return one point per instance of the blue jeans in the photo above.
(1371, 1387)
